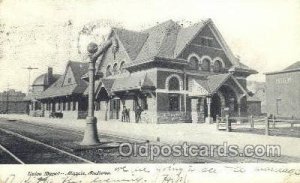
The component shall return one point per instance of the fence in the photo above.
(226, 123)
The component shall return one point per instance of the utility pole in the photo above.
(29, 74)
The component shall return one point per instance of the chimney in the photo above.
(50, 76)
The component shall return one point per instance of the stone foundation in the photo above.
(174, 117)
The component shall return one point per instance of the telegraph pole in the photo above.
(29, 74)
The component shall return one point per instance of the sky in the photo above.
(265, 34)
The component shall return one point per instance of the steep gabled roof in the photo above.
(168, 40)
(79, 69)
(156, 37)
(212, 83)
(132, 41)
(185, 35)
(216, 81)
(58, 89)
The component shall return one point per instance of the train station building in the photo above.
(283, 91)
(173, 73)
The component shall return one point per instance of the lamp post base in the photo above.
(90, 133)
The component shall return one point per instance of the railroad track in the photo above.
(45, 153)
(138, 140)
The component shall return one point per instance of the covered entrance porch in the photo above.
(218, 95)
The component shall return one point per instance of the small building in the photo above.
(170, 73)
(40, 84)
(12, 102)
(259, 91)
(65, 95)
(283, 91)
(254, 106)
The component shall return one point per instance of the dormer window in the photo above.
(217, 66)
(193, 60)
(115, 69)
(194, 63)
(206, 64)
(108, 71)
(207, 41)
(122, 70)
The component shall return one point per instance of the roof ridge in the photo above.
(159, 25)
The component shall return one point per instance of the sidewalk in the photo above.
(173, 133)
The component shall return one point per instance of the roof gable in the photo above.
(131, 41)
(154, 43)
(69, 77)
(59, 89)
(185, 36)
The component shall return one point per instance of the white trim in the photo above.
(219, 59)
(179, 79)
(206, 57)
(194, 55)
(210, 63)
(198, 45)
(222, 42)
(171, 91)
(241, 87)
(206, 37)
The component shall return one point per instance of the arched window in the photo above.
(206, 65)
(217, 66)
(115, 68)
(108, 71)
(174, 84)
(122, 70)
(194, 62)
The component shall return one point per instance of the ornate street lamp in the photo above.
(90, 134)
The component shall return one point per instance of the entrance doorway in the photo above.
(215, 106)
(114, 108)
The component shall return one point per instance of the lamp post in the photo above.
(90, 133)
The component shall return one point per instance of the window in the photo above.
(174, 84)
(217, 66)
(174, 102)
(122, 70)
(115, 68)
(205, 41)
(69, 80)
(108, 71)
(194, 63)
(206, 65)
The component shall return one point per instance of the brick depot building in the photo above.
(283, 91)
(174, 74)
